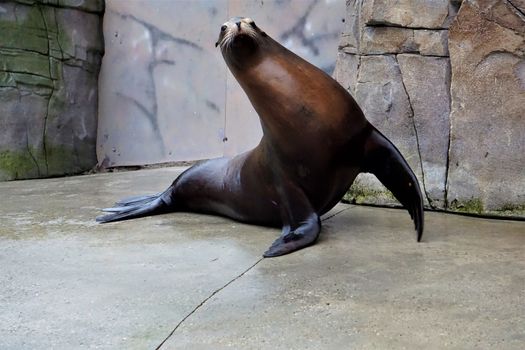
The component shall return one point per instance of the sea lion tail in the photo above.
(385, 161)
(138, 206)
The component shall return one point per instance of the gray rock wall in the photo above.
(445, 81)
(50, 54)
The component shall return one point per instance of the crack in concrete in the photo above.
(226, 285)
(335, 214)
(416, 133)
(206, 300)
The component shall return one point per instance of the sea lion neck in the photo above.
(244, 53)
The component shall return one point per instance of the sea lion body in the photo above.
(315, 142)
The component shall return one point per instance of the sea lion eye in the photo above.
(223, 28)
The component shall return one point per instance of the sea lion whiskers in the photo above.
(237, 27)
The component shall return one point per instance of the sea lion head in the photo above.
(239, 39)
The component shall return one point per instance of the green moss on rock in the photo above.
(34, 81)
(61, 160)
(7, 79)
(472, 206)
(476, 206)
(360, 194)
(31, 47)
(17, 165)
(22, 37)
(511, 209)
(37, 49)
(28, 62)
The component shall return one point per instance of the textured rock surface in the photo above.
(458, 120)
(49, 61)
(427, 85)
(487, 149)
(346, 71)
(381, 40)
(381, 93)
(406, 13)
(384, 66)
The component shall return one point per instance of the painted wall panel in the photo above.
(165, 92)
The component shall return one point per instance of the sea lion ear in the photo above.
(264, 34)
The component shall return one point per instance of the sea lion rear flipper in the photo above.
(136, 199)
(138, 206)
(385, 161)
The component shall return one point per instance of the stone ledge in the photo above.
(428, 14)
(388, 40)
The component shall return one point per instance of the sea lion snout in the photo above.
(236, 26)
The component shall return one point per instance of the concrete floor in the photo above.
(199, 282)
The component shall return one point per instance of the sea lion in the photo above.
(315, 142)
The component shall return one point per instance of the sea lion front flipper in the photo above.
(301, 225)
(303, 236)
(385, 161)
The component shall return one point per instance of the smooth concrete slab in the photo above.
(67, 282)
(199, 282)
(369, 285)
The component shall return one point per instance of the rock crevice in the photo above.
(412, 116)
